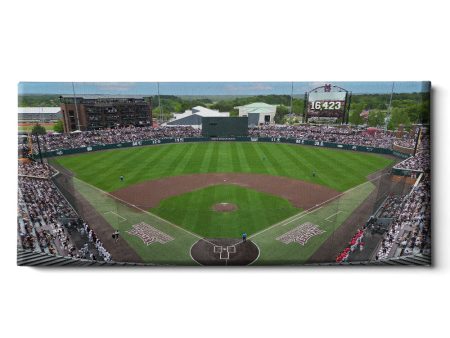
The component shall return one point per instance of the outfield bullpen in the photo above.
(270, 189)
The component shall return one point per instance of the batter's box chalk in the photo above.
(231, 249)
(225, 254)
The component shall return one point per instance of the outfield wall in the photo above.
(206, 139)
(399, 172)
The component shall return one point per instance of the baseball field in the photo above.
(190, 202)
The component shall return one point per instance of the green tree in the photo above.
(38, 130)
(355, 118)
(298, 106)
(280, 114)
(167, 115)
(58, 126)
(354, 114)
(399, 116)
(376, 118)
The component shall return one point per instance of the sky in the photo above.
(211, 88)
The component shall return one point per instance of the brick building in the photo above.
(90, 112)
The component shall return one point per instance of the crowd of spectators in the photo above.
(341, 134)
(35, 169)
(405, 143)
(48, 223)
(414, 206)
(420, 162)
(410, 230)
(336, 134)
(390, 206)
(51, 142)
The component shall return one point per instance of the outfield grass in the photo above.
(256, 211)
(337, 169)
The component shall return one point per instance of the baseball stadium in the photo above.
(122, 184)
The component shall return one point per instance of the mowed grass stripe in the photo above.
(255, 164)
(273, 160)
(148, 165)
(337, 169)
(244, 165)
(206, 161)
(124, 162)
(235, 160)
(224, 160)
(257, 156)
(189, 155)
(327, 164)
(102, 160)
(297, 162)
(176, 160)
(214, 158)
(194, 163)
(369, 162)
(323, 164)
(102, 163)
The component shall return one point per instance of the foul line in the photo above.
(112, 212)
(144, 211)
(336, 213)
(314, 208)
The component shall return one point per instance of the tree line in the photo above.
(406, 108)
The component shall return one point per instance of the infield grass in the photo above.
(336, 169)
(255, 211)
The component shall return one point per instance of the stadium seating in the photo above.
(409, 232)
(46, 221)
(42, 208)
(343, 135)
(109, 136)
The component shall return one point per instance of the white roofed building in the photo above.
(39, 114)
(193, 117)
(258, 113)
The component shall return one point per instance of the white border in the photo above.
(235, 40)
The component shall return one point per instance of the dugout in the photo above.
(224, 126)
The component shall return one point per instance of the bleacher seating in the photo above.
(47, 222)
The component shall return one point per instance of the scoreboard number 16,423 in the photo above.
(325, 105)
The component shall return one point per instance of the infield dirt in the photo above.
(301, 194)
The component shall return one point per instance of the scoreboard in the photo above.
(327, 103)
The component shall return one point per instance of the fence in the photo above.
(238, 139)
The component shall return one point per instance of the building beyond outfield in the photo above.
(258, 113)
(91, 112)
(39, 114)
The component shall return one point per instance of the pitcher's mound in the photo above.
(224, 207)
